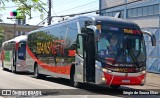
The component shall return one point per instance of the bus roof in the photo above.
(20, 38)
(96, 19)
(16, 39)
(106, 19)
(115, 21)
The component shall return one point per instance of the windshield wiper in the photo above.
(118, 54)
(133, 58)
(130, 53)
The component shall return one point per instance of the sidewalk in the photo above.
(153, 81)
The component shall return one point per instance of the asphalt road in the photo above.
(54, 87)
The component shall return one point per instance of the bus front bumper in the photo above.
(116, 78)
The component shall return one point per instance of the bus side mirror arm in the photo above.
(153, 38)
(92, 27)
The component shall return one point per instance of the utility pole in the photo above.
(49, 12)
(100, 7)
(15, 29)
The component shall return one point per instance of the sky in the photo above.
(59, 7)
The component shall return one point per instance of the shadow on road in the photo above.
(90, 89)
(18, 73)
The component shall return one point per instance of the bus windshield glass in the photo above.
(120, 45)
(134, 49)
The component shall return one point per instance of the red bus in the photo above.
(90, 49)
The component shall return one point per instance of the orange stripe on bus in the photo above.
(52, 68)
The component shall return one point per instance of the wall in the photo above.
(149, 22)
(153, 53)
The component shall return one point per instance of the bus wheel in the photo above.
(72, 81)
(115, 86)
(36, 72)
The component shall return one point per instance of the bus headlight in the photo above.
(143, 72)
(103, 79)
(106, 70)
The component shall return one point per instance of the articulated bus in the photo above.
(14, 54)
(90, 49)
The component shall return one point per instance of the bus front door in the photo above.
(85, 58)
(79, 59)
(90, 56)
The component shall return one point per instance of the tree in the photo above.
(1, 20)
(25, 6)
(1, 36)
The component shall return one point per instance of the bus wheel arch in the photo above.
(72, 75)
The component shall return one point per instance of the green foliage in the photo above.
(1, 20)
(1, 36)
(35, 0)
(25, 6)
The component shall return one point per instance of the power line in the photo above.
(80, 8)
(60, 1)
(9, 7)
(90, 9)
(65, 2)
(77, 6)
(42, 7)
(97, 11)
(84, 8)
(74, 7)
(83, 5)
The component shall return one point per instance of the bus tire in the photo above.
(72, 81)
(36, 71)
(115, 86)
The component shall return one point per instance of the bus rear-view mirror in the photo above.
(153, 38)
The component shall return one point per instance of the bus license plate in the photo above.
(126, 81)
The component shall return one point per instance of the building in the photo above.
(10, 30)
(20, 22)
(146, 13)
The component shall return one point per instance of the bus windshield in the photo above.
(122, 47)
(22, 50)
